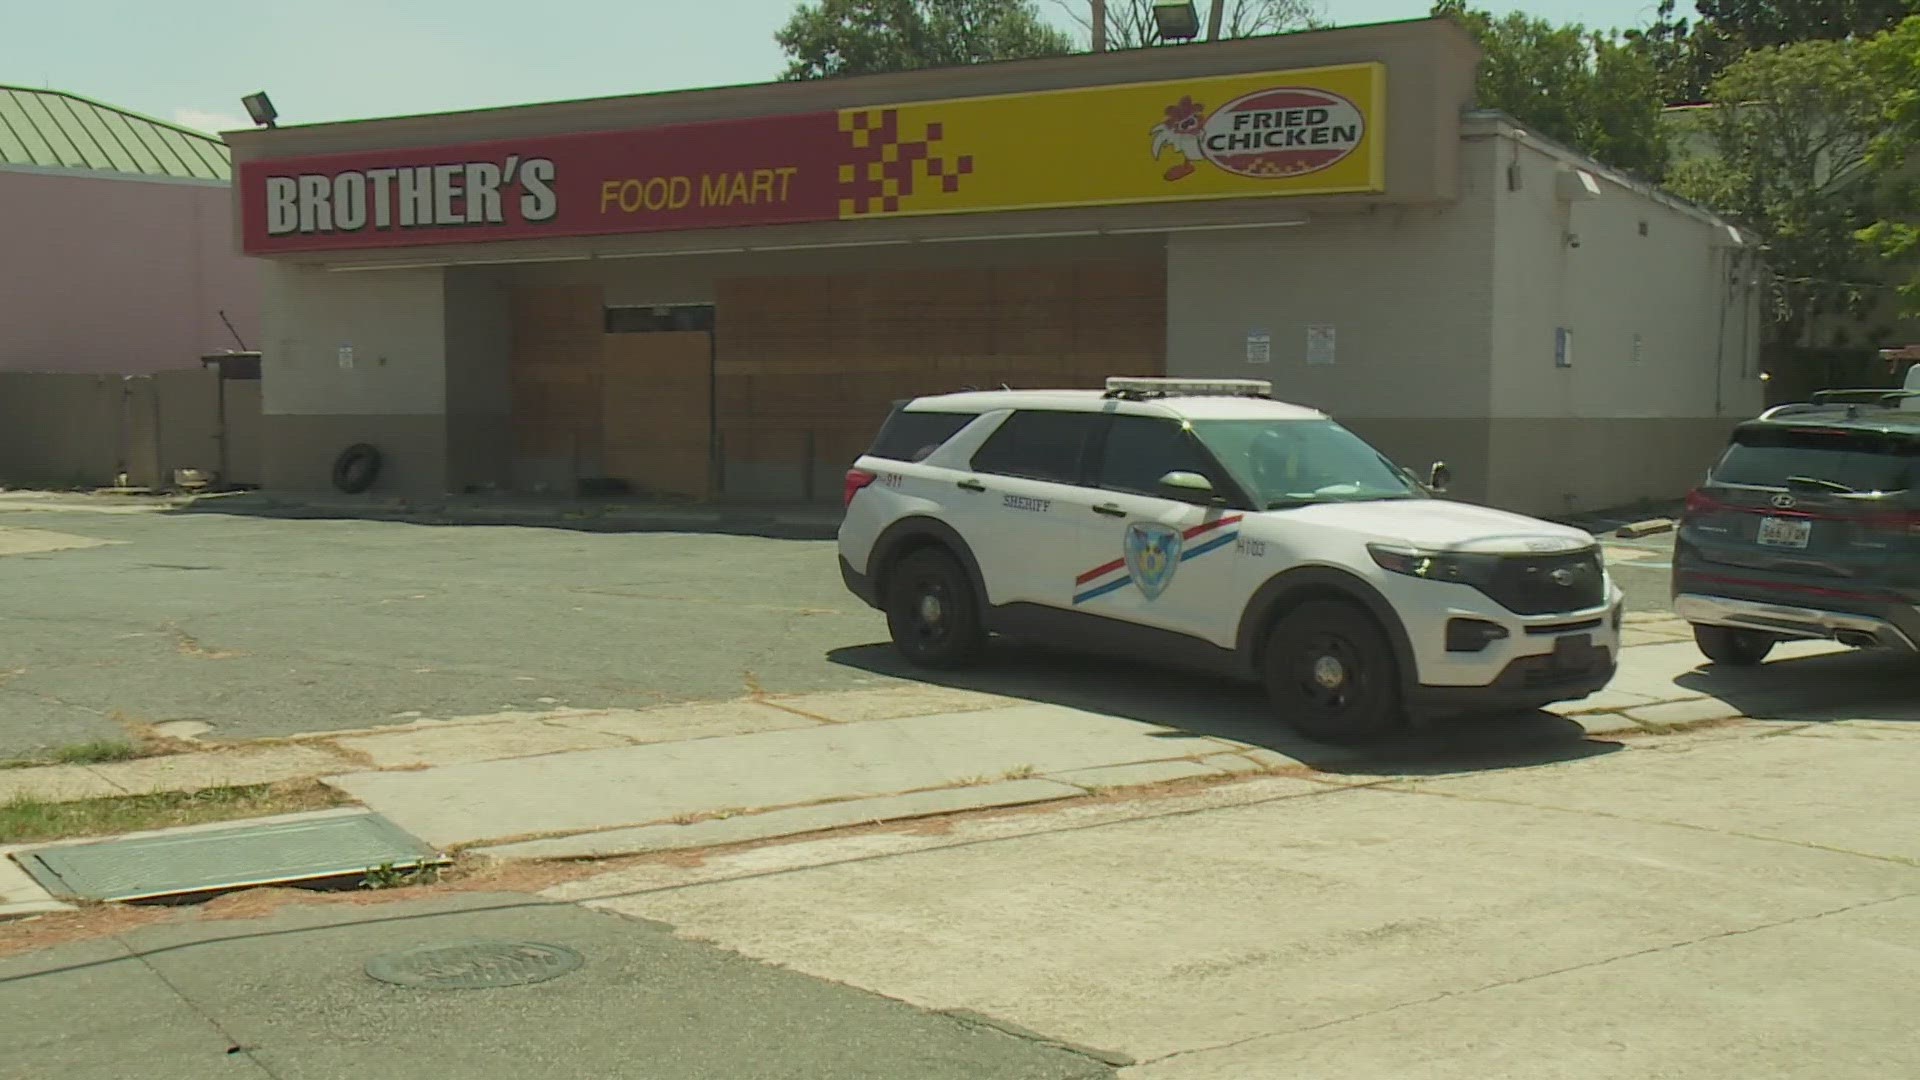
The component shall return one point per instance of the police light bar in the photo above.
(1191, 387)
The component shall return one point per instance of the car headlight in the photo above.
(1458, 567)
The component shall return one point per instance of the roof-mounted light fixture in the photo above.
(260, 109)
(1176, 20)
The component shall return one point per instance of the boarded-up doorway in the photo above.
(656, 411)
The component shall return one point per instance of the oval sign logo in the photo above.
(1284, 131)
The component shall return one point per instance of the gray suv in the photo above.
(1808, 527)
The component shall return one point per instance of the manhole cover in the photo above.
(475, 966)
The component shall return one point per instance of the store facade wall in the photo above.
(350, 358)
(1626, 332)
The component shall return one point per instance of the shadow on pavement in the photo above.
(1871, 685)
(1204, 705)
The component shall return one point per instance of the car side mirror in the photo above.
(1439, 476)
(1187, 486)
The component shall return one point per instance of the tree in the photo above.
(1792, 136)
(861, 37)
(1690, 54)
(1893, 58)
(1589, 90)
(1130, 23)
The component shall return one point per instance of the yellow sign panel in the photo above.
(1312, 132)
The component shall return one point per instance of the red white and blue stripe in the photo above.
(1114, 576)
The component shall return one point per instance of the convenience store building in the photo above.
(716, 293)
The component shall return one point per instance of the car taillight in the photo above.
(1699, 502)
(856, 479)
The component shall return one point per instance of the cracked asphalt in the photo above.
(261, 627)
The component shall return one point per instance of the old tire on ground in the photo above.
(357, 467)
(1734, 648)
(1330, 672)
(931, 611)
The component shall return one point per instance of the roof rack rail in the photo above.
(1867, 396)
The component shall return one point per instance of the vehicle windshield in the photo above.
(1841, 461)
(1284, 463)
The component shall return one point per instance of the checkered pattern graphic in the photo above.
(879, 169)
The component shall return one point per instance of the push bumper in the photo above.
(1852, 628)
(1528, 683)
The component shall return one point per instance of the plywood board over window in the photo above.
(556, 383)
(807, 366)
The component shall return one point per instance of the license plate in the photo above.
(1573, 652)
(1785, 532)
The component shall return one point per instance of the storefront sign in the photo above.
(1278, 133)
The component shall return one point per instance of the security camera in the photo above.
(1573, 240)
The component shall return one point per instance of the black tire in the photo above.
(357, 467)
(1734, 648)
(931, 611)
(1331, 673)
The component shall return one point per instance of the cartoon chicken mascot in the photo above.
(1181, 130)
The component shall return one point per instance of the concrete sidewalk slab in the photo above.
(455, 744)
(699, 720)
(1823, 998)
(232, 767)
(791, 822)
(1179, 934)
(889, 702)
(597, 789)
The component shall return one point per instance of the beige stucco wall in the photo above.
(1407, 291)
(1619, 424)
(394, 394)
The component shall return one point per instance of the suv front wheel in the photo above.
(931, 611)
(1734, 648)
(1330, 672)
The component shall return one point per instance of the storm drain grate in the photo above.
(478, 965)
(214, 860)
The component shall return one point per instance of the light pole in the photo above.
(1213, 19)
(1099, 10)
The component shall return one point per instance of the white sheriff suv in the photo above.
(1200, 523)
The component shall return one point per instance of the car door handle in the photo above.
(970, 484)
(1110, 510)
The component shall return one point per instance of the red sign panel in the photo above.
(761, 171)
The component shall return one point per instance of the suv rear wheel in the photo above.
(1331, 673)
(931, 611)
(1734, 648)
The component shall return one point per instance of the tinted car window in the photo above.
(911, 436)
(1142, 449)
(1039, 446)
(1861, 460)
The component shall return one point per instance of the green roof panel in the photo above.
(52, 129)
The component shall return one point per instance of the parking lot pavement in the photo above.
(260, 627)
(1717, 906)
(263, 627)
(289, 994)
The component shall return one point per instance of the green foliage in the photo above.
(1689, 54)
(1793, 134)
(1893, 59)
(862, 37)
(1593, 91)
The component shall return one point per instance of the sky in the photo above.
(190, 61)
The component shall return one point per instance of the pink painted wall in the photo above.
(119, 276)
